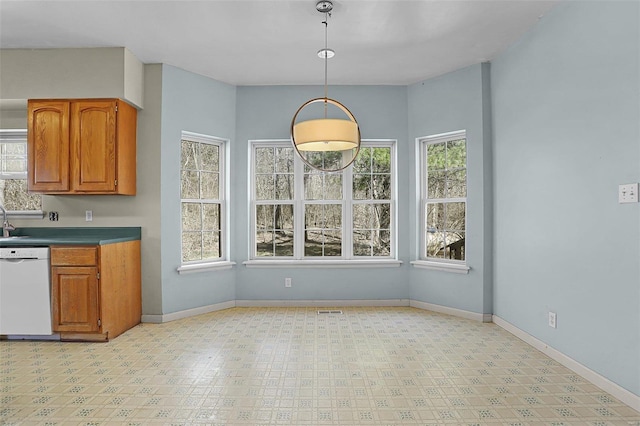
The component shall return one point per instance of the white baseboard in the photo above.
(629, 398)
(158, 319)
(319, 303)
(451, 311)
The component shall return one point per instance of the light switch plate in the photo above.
(628, 193)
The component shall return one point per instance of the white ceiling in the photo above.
(273, 42)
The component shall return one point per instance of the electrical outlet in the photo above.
(287, 282)
(628, 193)
(88, 215)
(552, 319)
(53, 216)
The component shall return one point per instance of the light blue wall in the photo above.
(566, 110)
(265, 113)
(197, 104)
(456, 101)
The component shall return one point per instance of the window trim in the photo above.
(223, 262)
(18, 136)
(298, 201)
(450, 265)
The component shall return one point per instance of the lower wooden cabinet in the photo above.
(95, 290)
(75, 306)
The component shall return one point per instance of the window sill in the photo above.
(204, 267)
(286, 263)
(441, 266)
(25, 214)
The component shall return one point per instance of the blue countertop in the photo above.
(70, 236)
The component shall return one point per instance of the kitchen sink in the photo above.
(14, 237)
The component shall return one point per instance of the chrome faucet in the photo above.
(6, 226)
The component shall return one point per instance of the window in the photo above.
(13, 173)
(444, 197)
(299, 213)
(202, 198)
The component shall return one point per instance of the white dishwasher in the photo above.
(25, 291)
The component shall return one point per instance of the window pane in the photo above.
(313, 217)
(284, 187)
(456, 154)
(283, 217)
(455, 216)
(189, 185)
(14, 195)
(382, 243)
(436, 156)
(381, 161)
(362, 216)
(264, 217)
(457, 184)
(362, 187)
(209, 157)
(191, 217)
(363, 161)
(313, 243)
(284, 162)
(362, 243)
(313, 186)
(191, 246)
(454, 246)
(264, 243)
(211, 245)
(333, 243)
(435, 244)
(211, 217)
(332, 160)
(265, 189)
(435, 217)
(381, 187)
(284, 243)
(189, 155)
(382, 216)
(436, 185)
(333, 186)
(316, 159)
(333, 216)
(210, 186)
(264, 160)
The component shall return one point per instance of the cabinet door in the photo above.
(48, 146)
(93, 146)
(74, 298)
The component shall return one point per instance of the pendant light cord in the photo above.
(326, 59)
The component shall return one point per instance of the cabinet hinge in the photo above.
(99, 322)
(98, 275)
(116, 107)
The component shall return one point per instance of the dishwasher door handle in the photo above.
(16, 260)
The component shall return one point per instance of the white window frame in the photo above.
(18, 136)
(298, 259)
(221, 262)
(442, 264)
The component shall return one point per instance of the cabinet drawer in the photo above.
(74, 256)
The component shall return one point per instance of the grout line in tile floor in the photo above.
(291, 366)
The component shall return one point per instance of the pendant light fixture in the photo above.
(328, 143)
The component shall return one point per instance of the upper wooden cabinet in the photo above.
(81, 146)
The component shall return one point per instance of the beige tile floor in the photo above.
(291, 366)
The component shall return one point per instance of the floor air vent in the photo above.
(329, 311)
